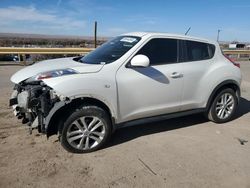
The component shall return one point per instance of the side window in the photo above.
(199, 51)
(160, 51)
(211, 49)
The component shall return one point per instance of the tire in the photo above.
(87, 129)
(221, 112)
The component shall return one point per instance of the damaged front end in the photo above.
(32, 100)
(32, 103)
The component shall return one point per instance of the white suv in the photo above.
(133, 77)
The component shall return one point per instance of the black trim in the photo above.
(178, 51)
(182, 51)
(13, 101)
(159, 117)
(52, 111)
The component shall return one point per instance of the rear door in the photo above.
(196, 62)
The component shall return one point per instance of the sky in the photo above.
(114, 17)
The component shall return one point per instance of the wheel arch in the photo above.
(225, 84)
(58, 114)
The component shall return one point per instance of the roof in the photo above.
(149, 34)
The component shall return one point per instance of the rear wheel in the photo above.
(223, 107)
(86, 130)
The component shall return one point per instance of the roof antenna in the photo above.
(187, 30)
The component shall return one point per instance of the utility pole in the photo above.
(95, 34)
(218, 35)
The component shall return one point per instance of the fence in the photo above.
(237, 54)
(21, 52)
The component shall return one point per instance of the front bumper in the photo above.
(32, 103)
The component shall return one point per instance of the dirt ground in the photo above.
(183, 152)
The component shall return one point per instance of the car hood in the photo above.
(54, 64)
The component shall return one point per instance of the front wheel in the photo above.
(223, 107)
(87, 129)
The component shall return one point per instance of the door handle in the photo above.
(176, 75)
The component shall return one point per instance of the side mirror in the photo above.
(140, 61)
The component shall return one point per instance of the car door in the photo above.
(196, 62)
(154, 90)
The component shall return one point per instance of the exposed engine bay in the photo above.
(32, 103)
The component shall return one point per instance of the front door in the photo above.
(154, 90)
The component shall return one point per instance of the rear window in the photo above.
(196, 51)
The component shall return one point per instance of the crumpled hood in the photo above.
(54, 64)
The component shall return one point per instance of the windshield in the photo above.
(111, 51)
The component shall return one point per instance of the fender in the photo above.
(55, 108)
(218, 87)
(61, 107)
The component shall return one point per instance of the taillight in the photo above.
(232, 61)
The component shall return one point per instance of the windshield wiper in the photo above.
(78, 59)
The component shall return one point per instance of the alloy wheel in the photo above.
(86, 132)
(225, 106)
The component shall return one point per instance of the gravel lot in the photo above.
(183, 152)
